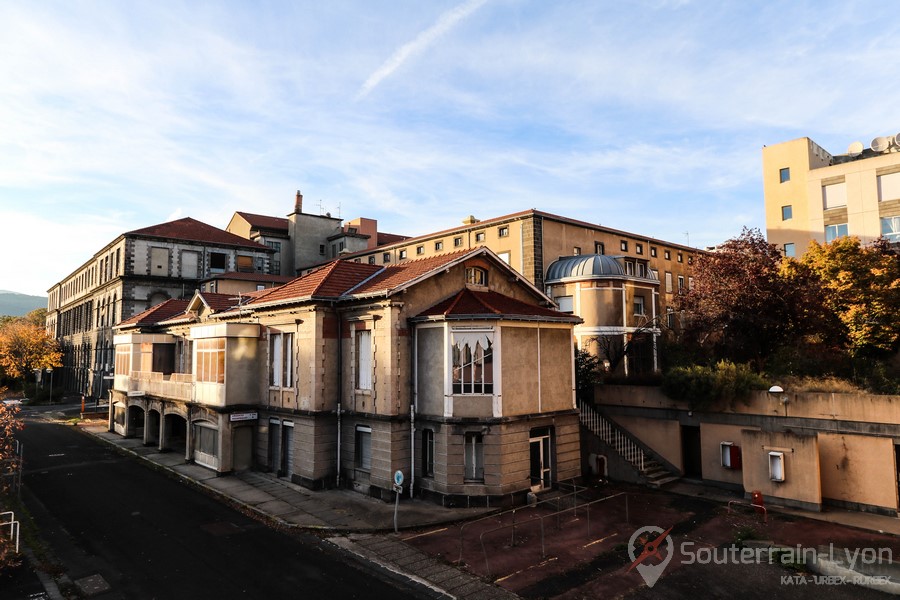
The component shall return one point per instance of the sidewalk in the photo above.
(353, 519)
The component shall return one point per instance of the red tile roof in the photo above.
(260, 277)
(264, 221)
(162, 311)
(469, 303)
(332, 280)
(192, 230)
(393, 276)
(219, 302)
(389, 238)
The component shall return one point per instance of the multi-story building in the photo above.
(452, 369)
(811, 194)
(135, 271)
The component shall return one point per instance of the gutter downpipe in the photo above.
(412, 415)
(340, 362)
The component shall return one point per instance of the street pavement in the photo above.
(363, 527)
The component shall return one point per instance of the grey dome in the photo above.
(584, 266)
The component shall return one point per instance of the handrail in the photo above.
(758, 507)
(13, 527)
(611, 434)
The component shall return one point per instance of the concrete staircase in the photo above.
(651, 471)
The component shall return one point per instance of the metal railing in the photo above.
(15, 474)
(540, 518)
(13, 526)
(612, 435)
(759, 508)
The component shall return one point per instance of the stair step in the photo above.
(658, 483)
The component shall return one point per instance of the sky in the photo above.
(647, 116)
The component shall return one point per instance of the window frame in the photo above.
(427, 452)
(363, 448)
(362, 360)
(784, 174)
(473, 456)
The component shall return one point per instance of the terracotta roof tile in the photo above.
(264, 221)
(192, 230)
(396, 275)
(468, 302)
(331, 280)
(155, 314)
(219, 302)
(260, 277)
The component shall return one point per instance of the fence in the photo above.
(12, 477)
(9, 518)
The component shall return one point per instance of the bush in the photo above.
(702, 386)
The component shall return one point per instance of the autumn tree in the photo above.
(742, 306)
(9, 466)
(861, 287)
(25, 346)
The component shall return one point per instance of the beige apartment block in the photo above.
(811, 194)
(451, 369)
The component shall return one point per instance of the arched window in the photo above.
(476, 276)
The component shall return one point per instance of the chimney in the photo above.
(298, 205)
(470, 220)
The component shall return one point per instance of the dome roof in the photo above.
(586, 266)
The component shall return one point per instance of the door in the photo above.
(540, 472)
(274, 444)
(243, 448)
(287, 449)
(690, 451)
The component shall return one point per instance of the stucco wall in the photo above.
(802, 481)
(858, 469)
(711, 437)
(430, 370)
(662, 436)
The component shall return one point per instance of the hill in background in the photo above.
(14, 304)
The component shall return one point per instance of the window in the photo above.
(598, 247)
(281, 359)
(420, 250)
(476, 276)
(681, 284)
(680, 257)
(888, 187)
(260, 287)
(402, 254)
(322, 249)
(776, 466)
(473, 368)
(834, 195)
(479, 237)
(691, 259)
(210, 364)
(123, 360)
(784, 175)
(363, 447)
(833, 232)
(670, 318)
(653, 251)
(789, 250)
(639, 306)
(667, 255)
(503, 231)
(642, 270)
(218, 262)
(731, 455)
(244, 264)
(623, 246)
(576, 251)
(428, 453)
(668, 282)
(159, 261)
(787, 212)
(565, 304)
(504, 256)
(639, 248)
(890, 228)
(474, 457)
(386, 257)
(457, 242)
(690, 283)
(363, 360)
(276, 246)
(629, 268)
(372, 260)
(438, 246)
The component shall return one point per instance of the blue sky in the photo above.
(647, 116)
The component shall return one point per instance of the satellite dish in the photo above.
(855, 149)
(880, 144)
(896, 139)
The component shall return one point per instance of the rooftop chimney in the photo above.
(298, 205)
(470, 220)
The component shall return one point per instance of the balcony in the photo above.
(177, 386)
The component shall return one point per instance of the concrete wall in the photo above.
(711, 437)
(662, 436)
(858, 470)
(802, 481)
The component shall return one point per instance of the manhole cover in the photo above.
(93, 585)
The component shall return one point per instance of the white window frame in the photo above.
(363, 359)
(776, 466)
(473, 456)
(725, 450)
(890, 228)
(833, 232)
(281, 359)
(639, 306)
(363, 454)
(566, 303)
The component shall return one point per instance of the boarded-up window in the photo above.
(834, 195)
(159, 262)
(245, 264)
(889, 187)
(190, 265)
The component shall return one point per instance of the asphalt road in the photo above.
(151, 536)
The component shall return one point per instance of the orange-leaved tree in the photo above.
(25, 346)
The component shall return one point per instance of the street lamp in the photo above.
(49, 370)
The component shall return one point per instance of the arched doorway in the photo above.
(175, 434)
(152, 428)
(135, 427)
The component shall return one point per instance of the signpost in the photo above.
(398, 489)
(243, 416)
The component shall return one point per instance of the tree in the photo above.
(25, 346)
(9, 465)
(587, 374)
(742, 306)
(861, 287)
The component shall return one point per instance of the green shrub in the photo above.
(702, 386)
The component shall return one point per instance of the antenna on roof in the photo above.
(339, 210)
(855, 149)
(880, 144)
(321, 211)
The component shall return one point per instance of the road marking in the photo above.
(60, 454)
(600, 540)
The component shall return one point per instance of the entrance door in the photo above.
(287, 449)
(274, 444)
(690, 451)
(242, 448)
(540, 455)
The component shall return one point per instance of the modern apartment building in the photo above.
(135, 271)
(451, 368)
(811, 194)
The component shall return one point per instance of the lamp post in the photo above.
(49, 370)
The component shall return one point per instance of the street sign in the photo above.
(398, 478)
(244, 416)
(134, 393)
